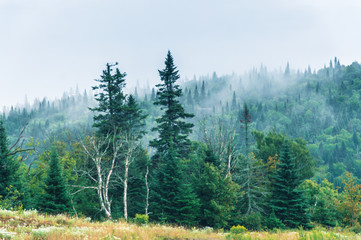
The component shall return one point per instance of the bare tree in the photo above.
(221, 141)
(130, 145)
(98, 151)
(112, 158)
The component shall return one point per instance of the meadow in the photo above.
(30, 224)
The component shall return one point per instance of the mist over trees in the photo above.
(275, 149)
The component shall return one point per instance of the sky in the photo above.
(50, 46)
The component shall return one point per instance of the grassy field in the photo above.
(32, 225)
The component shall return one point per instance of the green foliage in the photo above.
(111, 107)
(9, 165)
(217, 196)
(253, 221)
(350, 205)
(271, 145)
(287, 200)
(238, 229)
(12, 200)
(171, 126)
(273, 222)
(141, 219)
(56, 198)
(322, 202)
(173, 200)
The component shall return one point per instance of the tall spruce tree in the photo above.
(170, 125)
(112, 101)
(287, 200)
(172, 200)
(56, 198)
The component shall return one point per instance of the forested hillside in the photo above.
(275, 149)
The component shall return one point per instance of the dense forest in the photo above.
(264, 149)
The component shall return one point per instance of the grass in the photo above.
(32, 225)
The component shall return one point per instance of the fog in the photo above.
(48, 47)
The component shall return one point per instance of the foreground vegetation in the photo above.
(30, 224)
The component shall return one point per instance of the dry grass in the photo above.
(31, 225)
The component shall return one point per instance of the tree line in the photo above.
(108, 173)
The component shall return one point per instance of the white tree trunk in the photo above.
(147, 196)
(126, 188)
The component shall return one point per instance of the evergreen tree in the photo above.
(152, 96)
(8, 165)
(217, 196)
(56, 198)
(287, 70)
(170, 126)
(111, 99)
(189, 98)
(287, 200)
(234, 102)
(196, 95)
(134, 118)
(203, 91)
(172, 198)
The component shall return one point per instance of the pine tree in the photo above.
(234, 102)
(56, 198)
(171, 199)
(134, 118)
(203, 91)
(189, 98)
(152, 96)
(286, 200)
(170, 126)
(8, 165)
(196, 95)
(167, 190)
(111, 99)
(287, 70)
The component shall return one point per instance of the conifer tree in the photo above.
(134, 118)
(217, 195)
(152, 96)
(189, 98)
(286, 200)
(203, 91)
(234, 102)
(111, 109)
(56, 198)
(171, 198)
(8, 165)
(196, 95)
(171, 125)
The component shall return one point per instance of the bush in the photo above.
(253, 221)
(273, 222)
(356, 228)
(141, 219)
(238, 230)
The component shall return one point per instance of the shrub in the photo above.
(238, 229)
(273, 222)
(141, 219)
(253, 221)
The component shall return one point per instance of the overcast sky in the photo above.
(50, 46)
